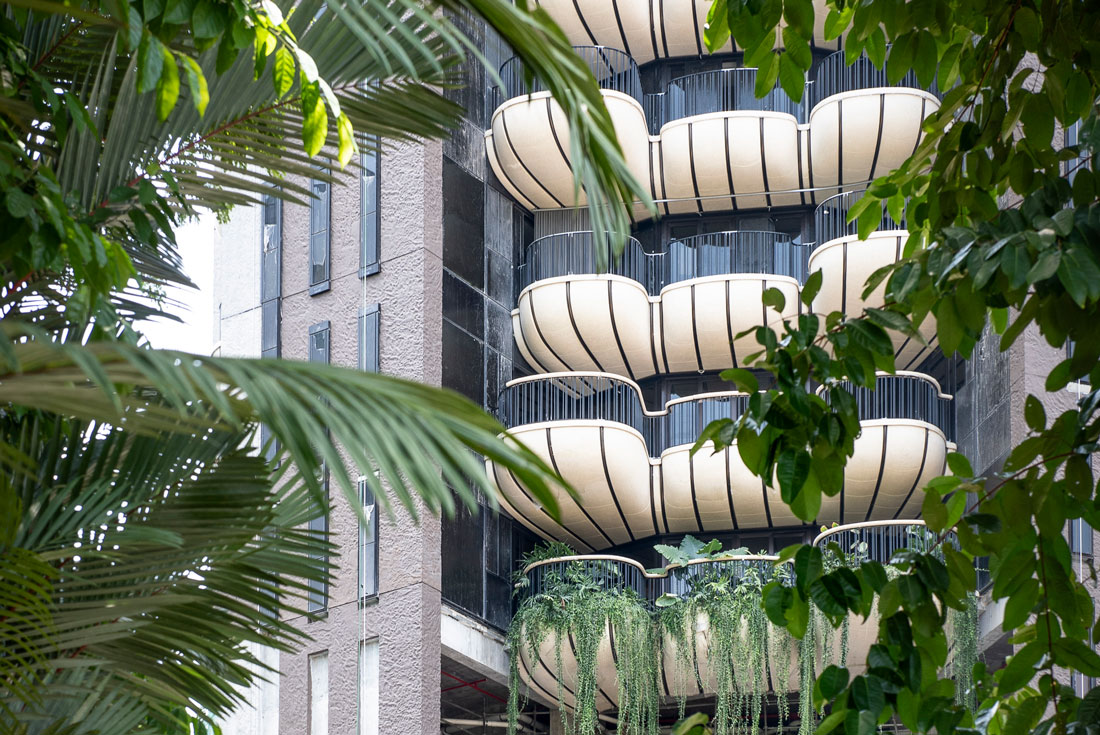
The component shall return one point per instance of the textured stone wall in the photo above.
(405, 616)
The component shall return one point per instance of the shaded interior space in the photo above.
(471, 703)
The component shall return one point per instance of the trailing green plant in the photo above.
(744, 650)
(572, 606)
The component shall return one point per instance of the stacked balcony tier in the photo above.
(706, 143)
(651, 29)
(846, 262)
(635, 476)
(677, 311)
(540, 671)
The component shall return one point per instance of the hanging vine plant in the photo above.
(829, 645)
(715, 597)
(587, 604)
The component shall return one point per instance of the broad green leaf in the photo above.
(315, 123)
(196, 84)
(745, 381)
(168, 90)
(283, 71)
(150, 62)
(833, 681)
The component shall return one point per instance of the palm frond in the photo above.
(421, 441)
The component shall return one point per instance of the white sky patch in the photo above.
(195, 333)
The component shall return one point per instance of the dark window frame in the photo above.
(370, 329)
(319, 591)
(368, 546)
(320, 238)
(370, 221)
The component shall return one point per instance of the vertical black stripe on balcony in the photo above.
(698, 674)
(844, 278)
(580, 16)
(538, 331)
(810, 163)
(615, 329)
(516, 189)
(878, 142)
(611, 485)
(763, 306)
(908, 339)
(652, 180)
(691, 160)
(576, 329)
(508, 139)
(553, 533)
(695, 22)
(840, 145)
(619, 23)
(554, 464)
(554, 134)
(729, 488)
(920, 124)
(552, 672)
(664, 30)
(664, 184)
(532, 683)
(664, 508)
(694, 499)
(881, 470)
(764, 166)
(798, 152)
(920, 473)
(664, 342)
(729, 164)
(611, 640)
(653, 338)
(729, 321)
(695, 330)
(652, 30)
(541, 368)
(573, 647)
(664, 677)
(653, 502)
(767, 506)
(842, 504)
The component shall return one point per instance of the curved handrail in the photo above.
(698, 256)
(646, 572)
(864, 524)
(833, 75)
(903, 395)
(717, 90)
(613, 69)
(831, 218)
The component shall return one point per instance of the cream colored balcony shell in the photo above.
(624, 494)
(716, 161)
(609, 323)
(650, 29)
(845, 264)
(540, 672)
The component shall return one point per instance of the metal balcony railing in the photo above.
(831, 218)
(834, 76)
(612, 68)
(720, 90)
(608, 572)
(877, 540)
(601, 396)
(905, 396)
(711, 254)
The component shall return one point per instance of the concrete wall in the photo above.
(405, 617)
(236, 297)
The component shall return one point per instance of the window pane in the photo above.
(368, 544)
(369, 193)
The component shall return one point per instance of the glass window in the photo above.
(319, 352)
(370, 221)
(320, 211)
(368, 543)
(1080, 537)
(369, 326)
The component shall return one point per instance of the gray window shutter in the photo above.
(369, 325)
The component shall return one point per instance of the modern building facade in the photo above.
(469, 264)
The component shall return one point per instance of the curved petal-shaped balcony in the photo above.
(676, 311)
(540, 671)
(651, 29)
(768, 663)
(635, 476)
(846, 262)
(707, 144)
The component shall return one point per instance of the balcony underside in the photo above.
(611, 324)
(623, 495)
(718, 161)
(650, 29)
(541, 672)
(845, 264)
